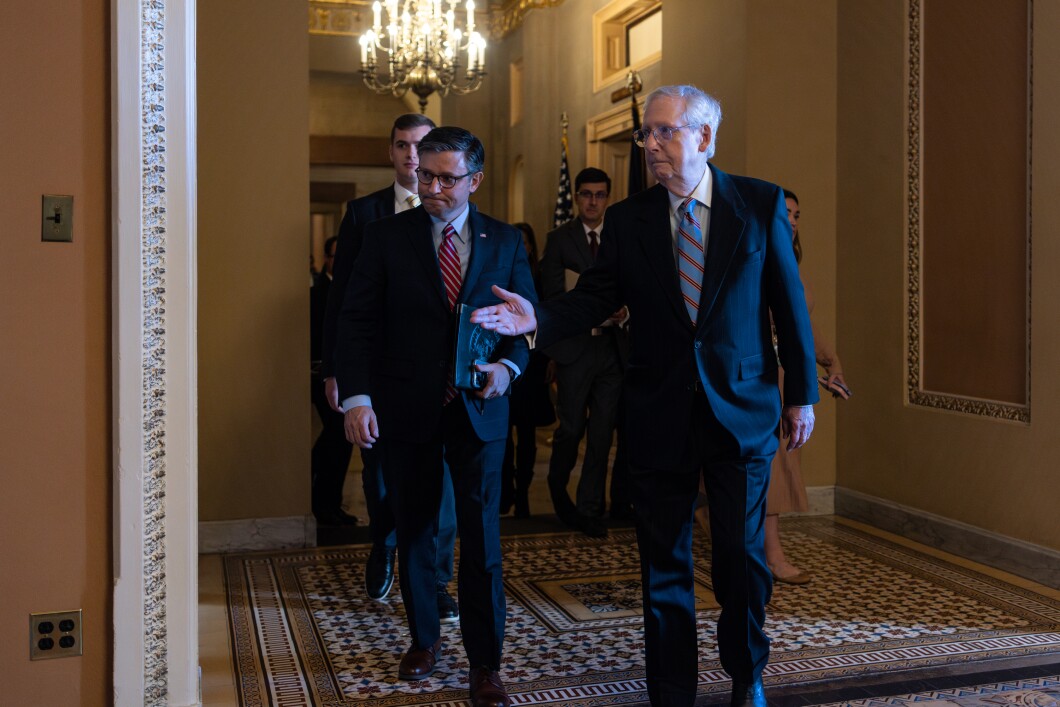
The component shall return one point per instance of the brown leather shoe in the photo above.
(487, 689)
(418, 663)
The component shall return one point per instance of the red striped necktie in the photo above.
(449, 261)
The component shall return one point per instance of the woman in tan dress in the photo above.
(787, 492)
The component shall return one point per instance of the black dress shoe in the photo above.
(487, 689)
(748, 694)
(418, 663)
(379, 572)
(448, 610)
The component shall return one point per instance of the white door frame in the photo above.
(154, 353)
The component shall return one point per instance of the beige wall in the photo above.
(790, 126)
(55, 346)
(253, 259)
(991, 474)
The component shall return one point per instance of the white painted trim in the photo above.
(140, 381)
(182, 556)
(127, 341)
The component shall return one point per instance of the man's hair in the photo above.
(795, 244)
(329, 245)
(592, 175)
(408, 121)
(700, 108)
(452, 139)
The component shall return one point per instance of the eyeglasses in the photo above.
(662, 133)
(448, 181)
(587, 195)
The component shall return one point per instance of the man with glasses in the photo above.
(704, 262)
(588, 366)
(402, 195)
(395, 365)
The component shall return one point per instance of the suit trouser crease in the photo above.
(663, 501)
(415, 472)
(382, 525)
(587, 397)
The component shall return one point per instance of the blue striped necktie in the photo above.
(690, 257)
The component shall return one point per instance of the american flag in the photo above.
(564, 200)
(638, 180)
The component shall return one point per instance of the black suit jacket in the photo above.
(728, 352)
(359, 213)
(395, 329)
(568, 249)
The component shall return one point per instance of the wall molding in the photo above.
(153, 300)
(250, 534)
(1035, 562)
(915, 392)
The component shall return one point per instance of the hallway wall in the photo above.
(55, 442)
(995, 475)
(253, 245)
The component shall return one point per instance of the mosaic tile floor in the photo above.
(303, 633)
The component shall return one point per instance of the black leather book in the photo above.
(471, 345)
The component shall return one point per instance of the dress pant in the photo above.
(663, 501)
(415, 476)
(587, 393)
(621, 496)
(382, 526)
(331, 454)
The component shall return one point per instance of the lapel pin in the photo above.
(482, 235)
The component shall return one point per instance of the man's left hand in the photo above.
(497, 380)
(796, 424)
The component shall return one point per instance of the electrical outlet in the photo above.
(54, 634)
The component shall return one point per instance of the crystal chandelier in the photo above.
(422, 48)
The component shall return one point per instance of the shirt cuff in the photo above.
(512, 366)
(356, 401)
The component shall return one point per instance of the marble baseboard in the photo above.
(1035, 562)
(822, 501)
(248, 534)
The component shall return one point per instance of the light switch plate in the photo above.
(57, 218)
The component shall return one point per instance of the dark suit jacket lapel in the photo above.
(480, 239)
(576, 232)
(724, 233)
(421, 238)
(386, 204)
(657, 241)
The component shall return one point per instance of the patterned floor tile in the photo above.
(303, 632)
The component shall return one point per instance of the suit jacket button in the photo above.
(699, 344)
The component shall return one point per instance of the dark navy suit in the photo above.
(396, 346)
(359, 213)
(700, 399)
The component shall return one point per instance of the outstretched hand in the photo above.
(515, 315)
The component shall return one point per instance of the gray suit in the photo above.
(588, 380)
